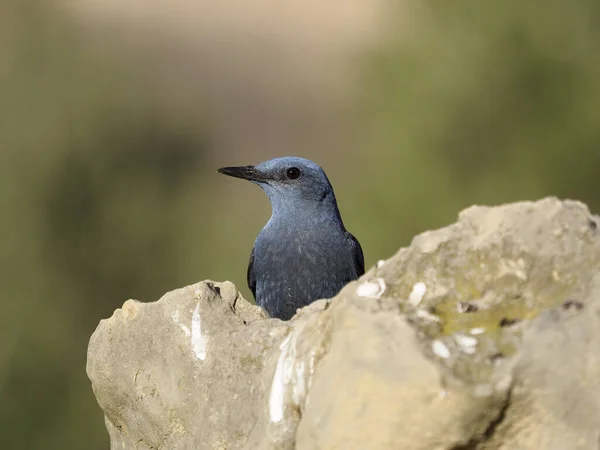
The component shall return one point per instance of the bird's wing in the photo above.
(359, 259)
(250, 274)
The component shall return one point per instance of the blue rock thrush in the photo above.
(303, 253)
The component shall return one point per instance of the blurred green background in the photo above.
(113, 120)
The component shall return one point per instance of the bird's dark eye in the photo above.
(293, 173)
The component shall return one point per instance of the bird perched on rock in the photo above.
(304, 252)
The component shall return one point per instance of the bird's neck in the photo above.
(305, 215)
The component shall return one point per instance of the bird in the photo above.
(304, 252)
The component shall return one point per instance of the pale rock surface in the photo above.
(481, 335)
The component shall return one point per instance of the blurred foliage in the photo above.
(91, 177)
(105, 195)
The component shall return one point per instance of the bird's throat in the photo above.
(304, 222)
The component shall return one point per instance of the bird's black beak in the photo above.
(245, 172)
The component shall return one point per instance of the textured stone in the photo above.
(480, 335)
(183, 371)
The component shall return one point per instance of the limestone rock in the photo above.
(480, 335)
(182, 372)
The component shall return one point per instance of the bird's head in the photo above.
(288, 181)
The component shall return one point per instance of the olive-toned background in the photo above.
(115, 115)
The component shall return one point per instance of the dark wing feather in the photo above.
(359, 259)
(250, 274)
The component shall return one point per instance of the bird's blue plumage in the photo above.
(304, 252)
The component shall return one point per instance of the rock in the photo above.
(480, 335)
(182, 372)
(555, 399)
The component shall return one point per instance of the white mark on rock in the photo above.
(426, 315)
(513, 268)
(440, 349)
(371, 289)
(292, 378)
(417, 293)
(380, 263)
(198, 342)
(476, 331)
(175, 317)
(467, 344)
(299, 387)
(276, 399)
(311, 367)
